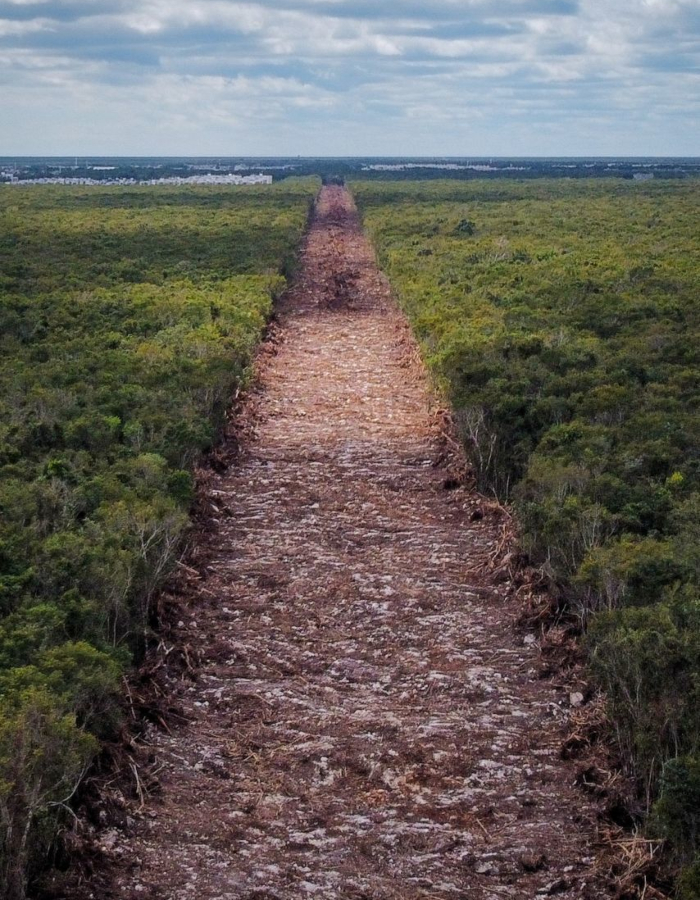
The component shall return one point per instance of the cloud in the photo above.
(316, 76)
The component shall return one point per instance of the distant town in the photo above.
(13, 178)
(264, 170)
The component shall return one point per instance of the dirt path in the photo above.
(367, 721)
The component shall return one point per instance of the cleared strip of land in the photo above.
(367, 720)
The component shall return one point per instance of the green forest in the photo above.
(127, 318)
(561, 319)
(558, 317)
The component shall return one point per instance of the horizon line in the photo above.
(248, 156)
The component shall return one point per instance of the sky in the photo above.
(350, 77)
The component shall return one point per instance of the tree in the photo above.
(43, 755)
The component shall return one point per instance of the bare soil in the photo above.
(365, 718)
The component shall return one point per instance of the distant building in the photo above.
(177, 180)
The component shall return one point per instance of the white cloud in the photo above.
(287, 76)
(8, 28)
